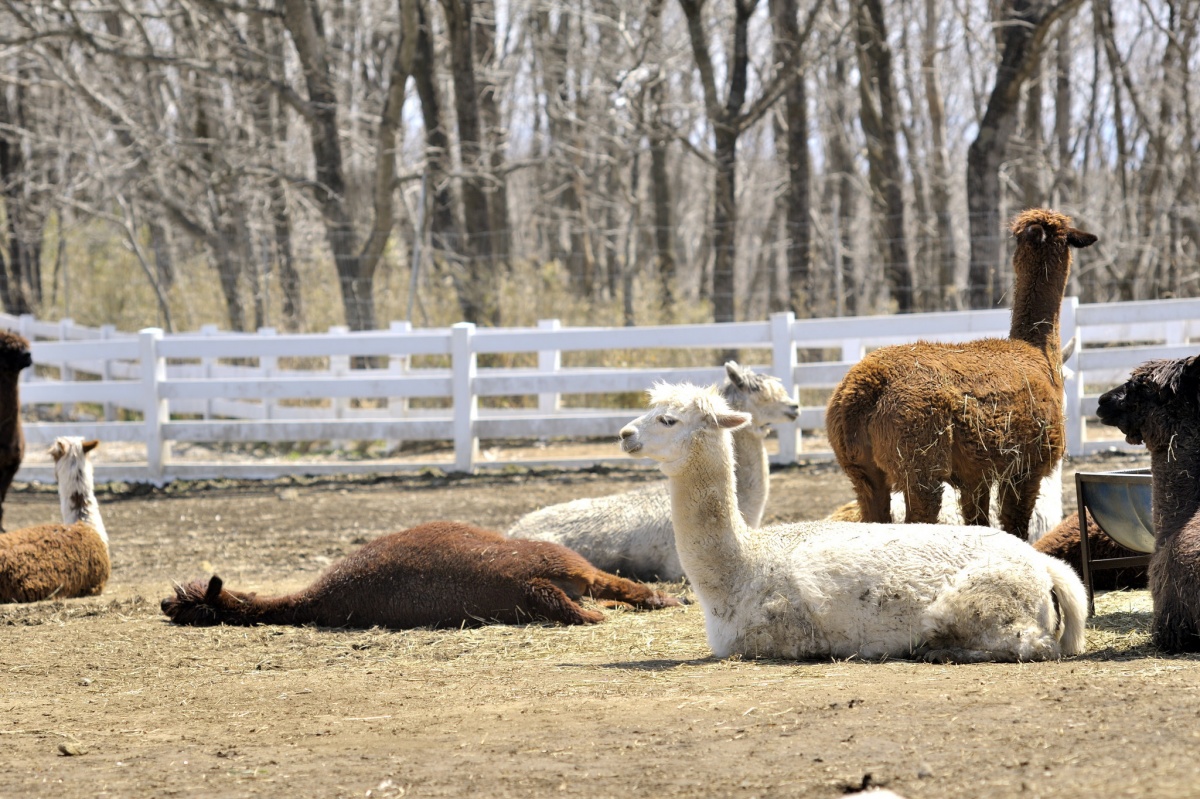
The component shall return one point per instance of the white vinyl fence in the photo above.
(213, 386)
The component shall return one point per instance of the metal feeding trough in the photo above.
(1119, 502)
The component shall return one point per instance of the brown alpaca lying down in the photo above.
(439, 574)
(1063, 542)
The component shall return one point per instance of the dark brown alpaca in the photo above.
(1063, 542)
(14, 356)
(1160, 406)
(441, 574)
(910, 417)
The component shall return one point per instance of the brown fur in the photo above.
(913, 416)
(52, 561)
(435, 575)
(1063, 542)
(14, 356)
(1160, 406)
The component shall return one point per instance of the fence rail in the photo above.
(427, 385)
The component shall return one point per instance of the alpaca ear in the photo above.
(1034, 233)
(733, 420)
(214, 589)
(57, 450)
(1080, 239)
(88, 446)
(1069, 348)
(735, 374)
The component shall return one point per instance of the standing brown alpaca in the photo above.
(1063, 542)
(14, 356)
(1160, 406)
(910, 417)
(434, 575)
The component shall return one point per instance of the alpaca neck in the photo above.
(1175, 488)
(290, 609)
(752, 471)
(79, 505)
(10, 397)
(708, 524)
(1037, 302)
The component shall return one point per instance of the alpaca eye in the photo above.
(668, 421)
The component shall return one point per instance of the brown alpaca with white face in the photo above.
(1160, 406)
(441, 574)
(14, 356)
(910, 417)
(60, 560)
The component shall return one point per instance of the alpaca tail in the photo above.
(204, 605)
(1070, 597)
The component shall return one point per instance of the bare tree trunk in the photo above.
(880, 125)
(799, 190)
(21, 277)
(939, 157)
(478, 297)
(443, 224)
(494, 137)
(1023, 31)
(725, 118)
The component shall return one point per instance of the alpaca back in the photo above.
(433, 575)
(52, 561)
(817, 589)
(628, 533)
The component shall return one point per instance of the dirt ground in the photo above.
(101, 697)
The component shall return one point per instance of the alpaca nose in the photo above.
(626, 432)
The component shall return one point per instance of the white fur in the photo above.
(830, 589)
(76, 484)
(631, 532)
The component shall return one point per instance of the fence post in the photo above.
(783, 366)
(65, 373)
(549, 361)
(466, 404)
(154, 409)
(397, 365)
(269, 366)
(339, 366)
(110, 410)
(208, 366)
(1073, 377)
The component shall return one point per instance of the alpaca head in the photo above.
(73, 471)
(1159, 405)
(1047, 236)
(762, 396)
(680, 418)
(14, 352)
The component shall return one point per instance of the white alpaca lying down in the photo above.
(631, 533)
(831, 589)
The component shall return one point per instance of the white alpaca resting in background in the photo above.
(60, 560)
(834, 589)
(631, 533)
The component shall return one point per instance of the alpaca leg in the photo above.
(7, 472)
(609, 587)
(975, 500)
(1017, 498)
(923, 502)
(871, 487)
(1176, 625)
(547, 600)
(991, 611)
